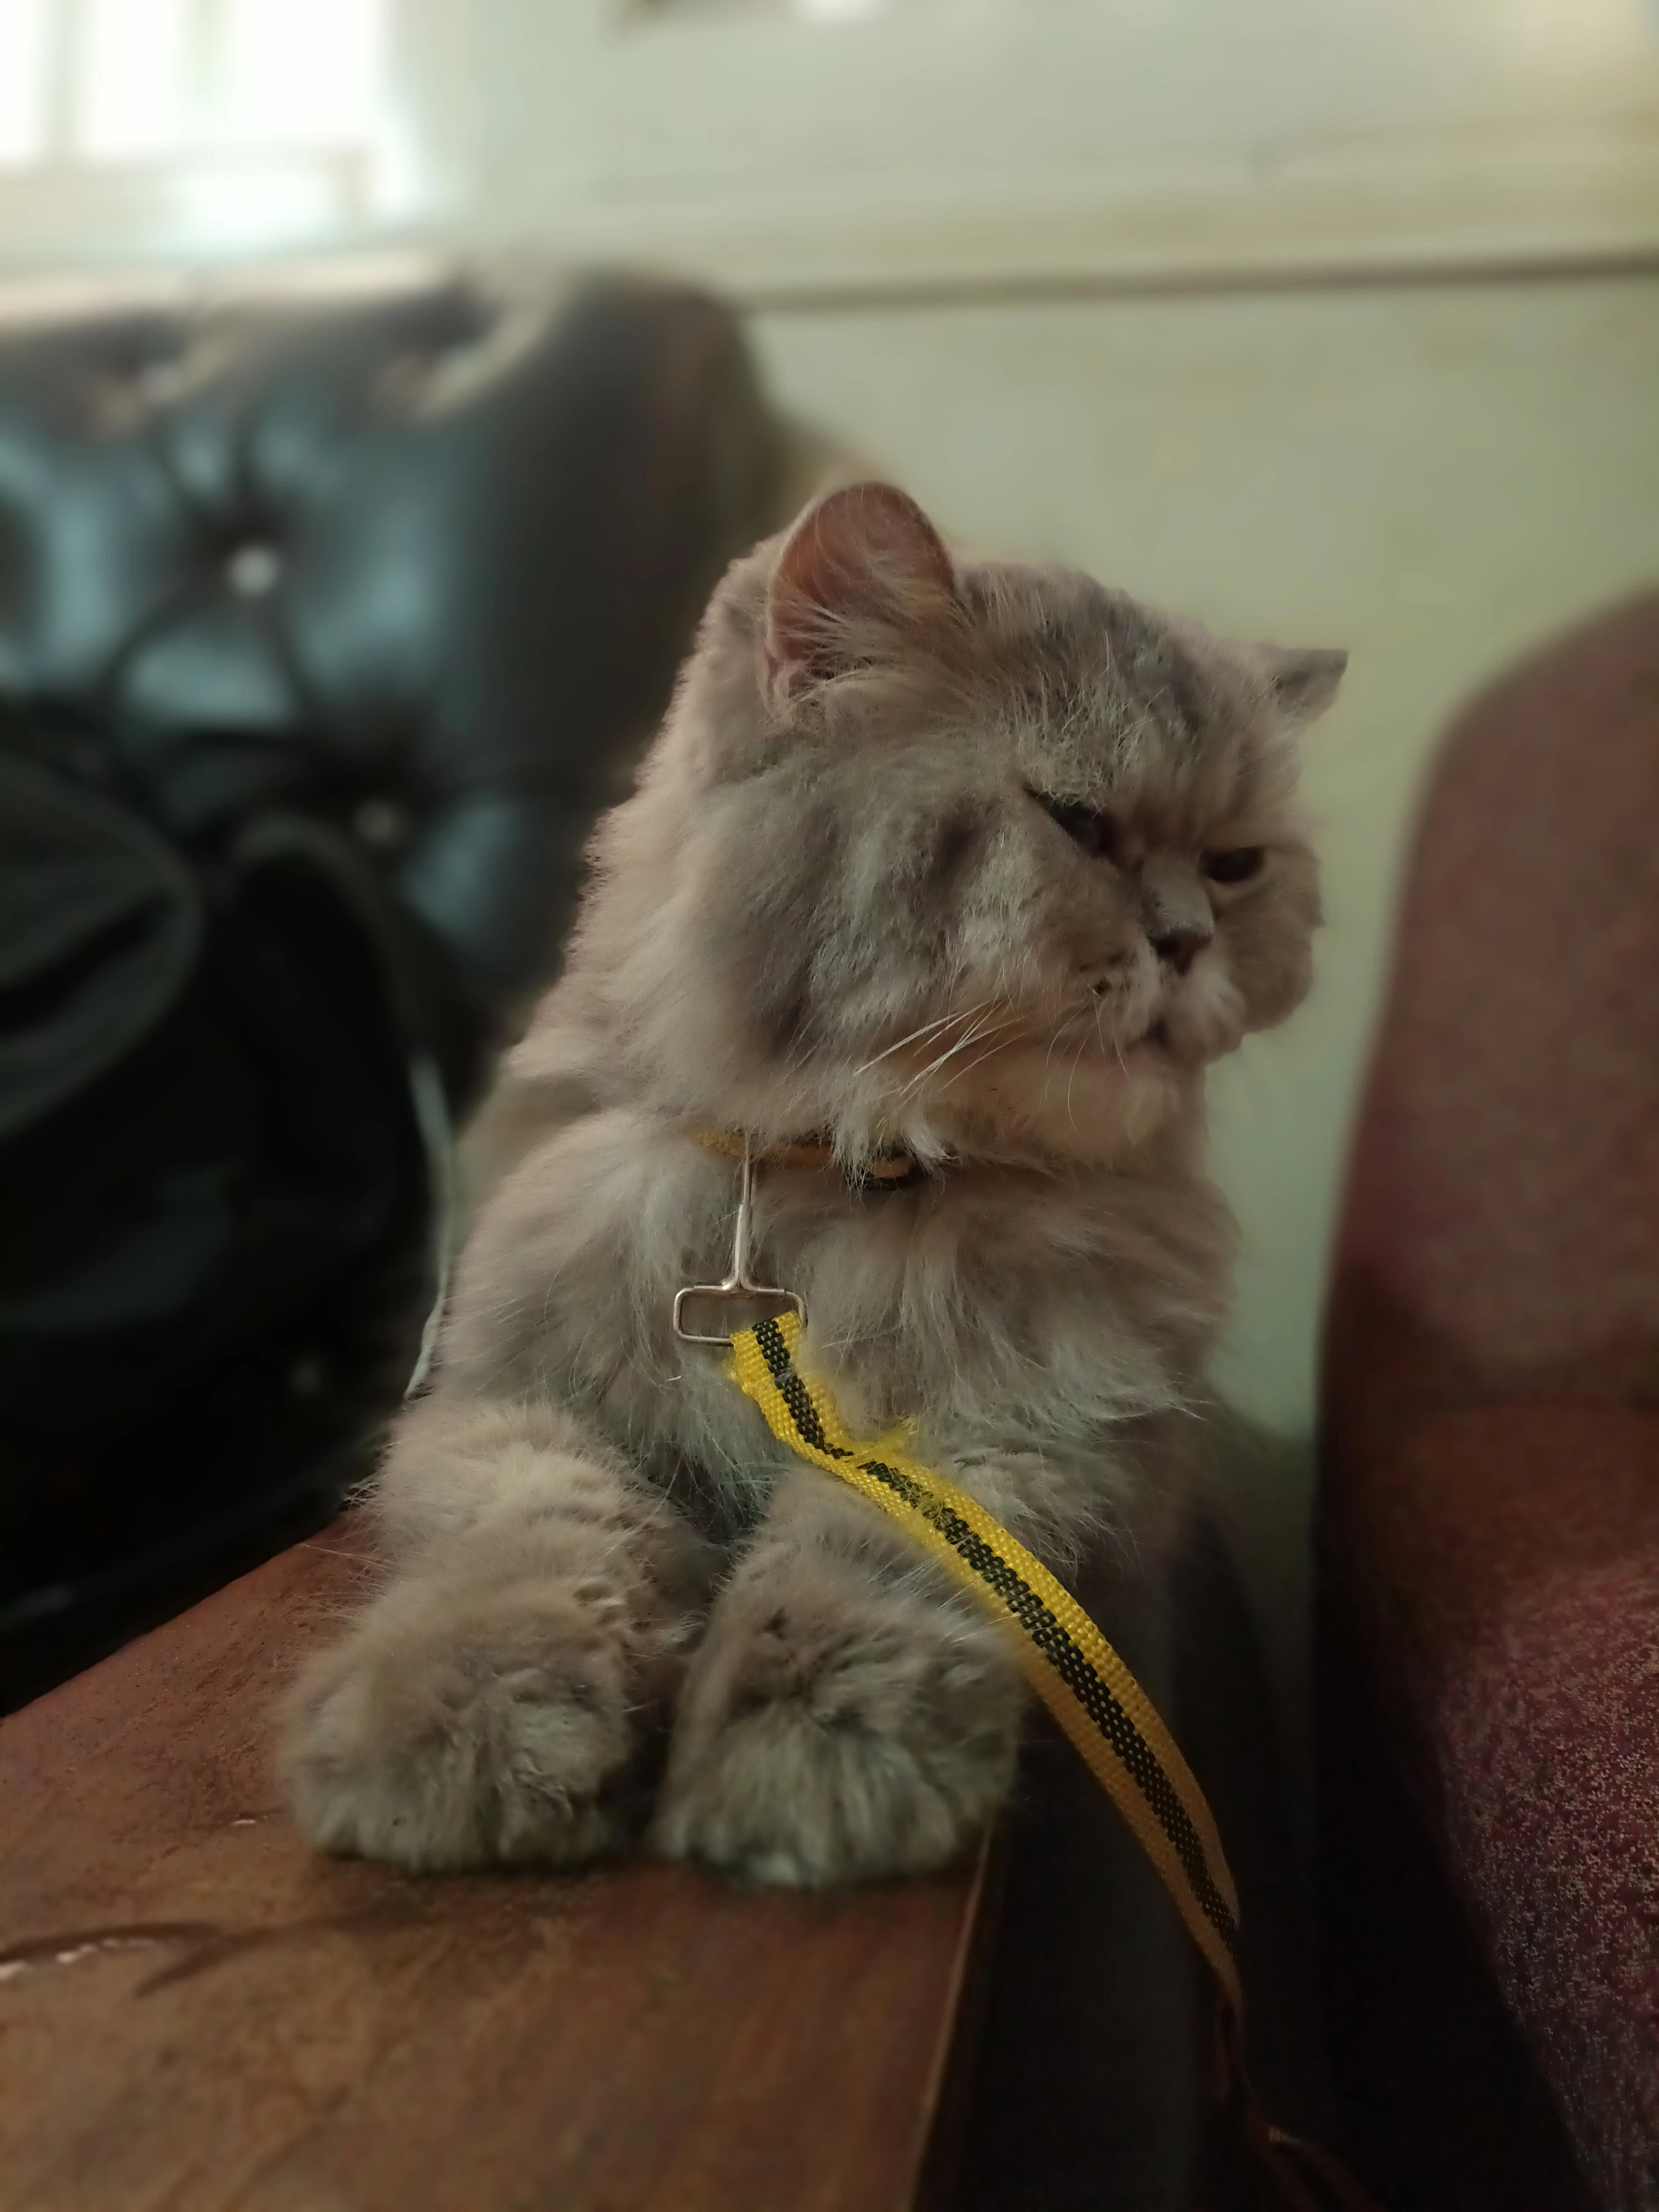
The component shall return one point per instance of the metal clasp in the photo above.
(739, 1286)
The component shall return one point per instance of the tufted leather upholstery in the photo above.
(413, 563)
(422, 562)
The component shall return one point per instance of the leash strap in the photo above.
(1069, 1663)
(1099, 1704)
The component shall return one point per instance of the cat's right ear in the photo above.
(862, 573)
(1303, 682)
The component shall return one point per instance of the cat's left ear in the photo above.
(1304, 680)
(863, 577)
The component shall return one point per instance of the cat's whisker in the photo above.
(1076, 1063)
(933, 1066)
(927, 1028)
(979, 1060)
(980, 1031)
(967, 1067)
(1114, 1041)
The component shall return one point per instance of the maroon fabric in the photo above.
(1552, 1825)
(1510, 1576)
(1445, 2107)
(1504, 1190)
(1490, 1448)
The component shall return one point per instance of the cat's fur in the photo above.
(617, 1606)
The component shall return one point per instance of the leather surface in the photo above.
(384, 573)
(422, 562)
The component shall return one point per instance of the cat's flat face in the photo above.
(988, 853)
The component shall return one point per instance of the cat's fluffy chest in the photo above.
(1015, 1317)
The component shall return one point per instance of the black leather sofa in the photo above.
(411, 563)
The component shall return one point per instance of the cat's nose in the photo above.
(1179, 948)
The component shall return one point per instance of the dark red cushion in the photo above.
(1508, 1582)
(1489, 1505)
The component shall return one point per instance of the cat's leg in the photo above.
(851, 1713)
(501, 1698)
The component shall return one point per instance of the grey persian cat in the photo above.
(980, 862)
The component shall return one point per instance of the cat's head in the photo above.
(973, 857)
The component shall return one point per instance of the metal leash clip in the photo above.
(740, 1286)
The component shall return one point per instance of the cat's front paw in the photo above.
(463, 1725)
(833, 1737)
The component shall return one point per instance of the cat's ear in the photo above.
(1304, 680)
(860, 573)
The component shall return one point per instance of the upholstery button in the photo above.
(307, 1375)
(382, 824)
(253, 570)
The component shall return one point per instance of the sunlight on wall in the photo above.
(133, 79)
(303, 71)
(22, 79)
(222, 125)
(1567, 29)
(157, 75)
(824, 11)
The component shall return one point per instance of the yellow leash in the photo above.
(1068, 1662)
(1078, 1676)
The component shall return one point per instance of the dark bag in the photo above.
(218, 1124)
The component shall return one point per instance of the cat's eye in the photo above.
(1090, 827)
(1235, 867)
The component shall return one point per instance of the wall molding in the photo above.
(1404, 211)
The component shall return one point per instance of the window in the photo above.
(186, 122)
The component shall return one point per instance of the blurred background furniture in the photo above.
(1488, 1651)
(397, 572)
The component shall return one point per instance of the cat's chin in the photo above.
(1204, 1021)
(1091, 1109)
